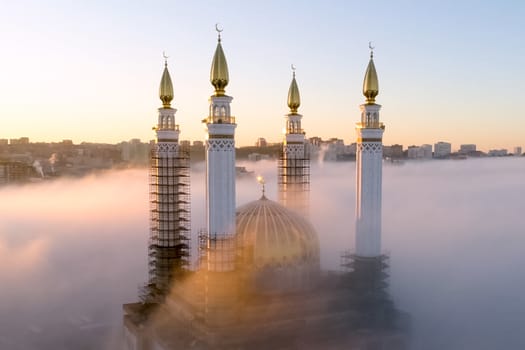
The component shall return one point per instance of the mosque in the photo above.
(258, 283)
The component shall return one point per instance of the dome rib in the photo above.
(277, 235)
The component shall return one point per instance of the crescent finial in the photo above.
(219, 30)
(293, 69)
(371, 49)
(165, 58)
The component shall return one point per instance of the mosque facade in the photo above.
(258, 283)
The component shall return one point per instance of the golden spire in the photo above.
(371, 84)
(219, 68)
(166, 87)
(294, 99)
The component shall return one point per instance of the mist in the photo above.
(72, 251)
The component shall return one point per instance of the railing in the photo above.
(175, 127)
(371, 125)
(295, 131)
(219, 120)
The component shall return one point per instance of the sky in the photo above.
(453, 231)
(89, 71)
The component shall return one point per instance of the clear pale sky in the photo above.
(448, 70)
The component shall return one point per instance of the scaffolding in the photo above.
(294, 179)
(367, 272)
(169, 241)
(202, 249)
(217, 252)
(367, 279)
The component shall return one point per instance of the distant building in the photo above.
(20, 141)
(420, 152)
(425, 151)
(442, 149)
(351, 149)
(393, 152)
(412, 152)
(335, 148)
(14, 171)
(468, 148)
(135, 151)
(261, 142)
(315, 141)
(198, 144)
(314, 147)
(517, 151)
(397, 151)
(498, 152)
(254, 157)
(185, 143)
(4, 142)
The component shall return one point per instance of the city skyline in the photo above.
(90, 72)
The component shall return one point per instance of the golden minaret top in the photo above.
(219, 68)
(371, 83)
(166, 87)
(294, 99)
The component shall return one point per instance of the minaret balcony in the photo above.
(370, 125)
(219, 120)
(295, 131)
(170, 128)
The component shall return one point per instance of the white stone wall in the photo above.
(220, 181)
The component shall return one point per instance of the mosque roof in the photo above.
(275, 235)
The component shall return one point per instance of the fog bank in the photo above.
(74, 250)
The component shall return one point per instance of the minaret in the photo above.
(219, 271)
(169, 197)
(294, 162)
(220, 168)
(369, 160)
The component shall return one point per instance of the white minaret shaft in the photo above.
(220, 165)
(220, 169)
(294, 166)
(369, 163)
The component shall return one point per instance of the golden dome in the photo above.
(294, 99)
(166, 88)
(219, 70)
(272, 235)
(370, 83)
